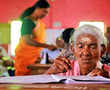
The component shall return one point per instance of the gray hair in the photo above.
(88, 29)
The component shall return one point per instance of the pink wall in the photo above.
(64, 12)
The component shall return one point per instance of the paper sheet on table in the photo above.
(81, 79)
(27, 79)
(85, 82)
(53, 79)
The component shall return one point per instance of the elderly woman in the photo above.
(87, 50)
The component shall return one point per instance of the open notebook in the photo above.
(53, 79)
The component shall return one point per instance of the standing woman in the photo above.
(32, 37)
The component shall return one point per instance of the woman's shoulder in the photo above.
(28, 21)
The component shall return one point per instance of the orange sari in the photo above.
(26, 54)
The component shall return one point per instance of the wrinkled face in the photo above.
(41, 12)
(87, 50)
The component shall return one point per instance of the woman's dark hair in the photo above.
(66, 34)
(38, 4)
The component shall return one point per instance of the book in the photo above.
(53, 79)
(81, 79)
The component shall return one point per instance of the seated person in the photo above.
(106, 58)
(65, 38)
(62, 43)
(5, 63)
(87, 49)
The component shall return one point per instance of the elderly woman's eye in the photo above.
(80, 46)
(93, 47)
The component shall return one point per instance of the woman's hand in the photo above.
(52, 47)
(60, 65)
(98, 72)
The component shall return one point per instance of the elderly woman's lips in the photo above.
(86, 60)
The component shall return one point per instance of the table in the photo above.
(55, 87)
(37, 69)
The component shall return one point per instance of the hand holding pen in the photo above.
(60, 65)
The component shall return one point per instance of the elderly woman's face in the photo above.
(87, 50)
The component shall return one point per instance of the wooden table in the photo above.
(55, 87)
(37, 69)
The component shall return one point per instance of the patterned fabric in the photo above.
(66, 52)
(106, 59)
(75, 71)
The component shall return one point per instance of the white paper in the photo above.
(82, 78)
(89, 78)
(28, 79)
(52, 79)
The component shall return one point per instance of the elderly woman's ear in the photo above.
(103, 50)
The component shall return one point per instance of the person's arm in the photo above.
(26, 32)
(29, 40)
(99, 72)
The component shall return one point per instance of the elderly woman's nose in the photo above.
(86, 51)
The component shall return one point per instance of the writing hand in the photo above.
(60, 65)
